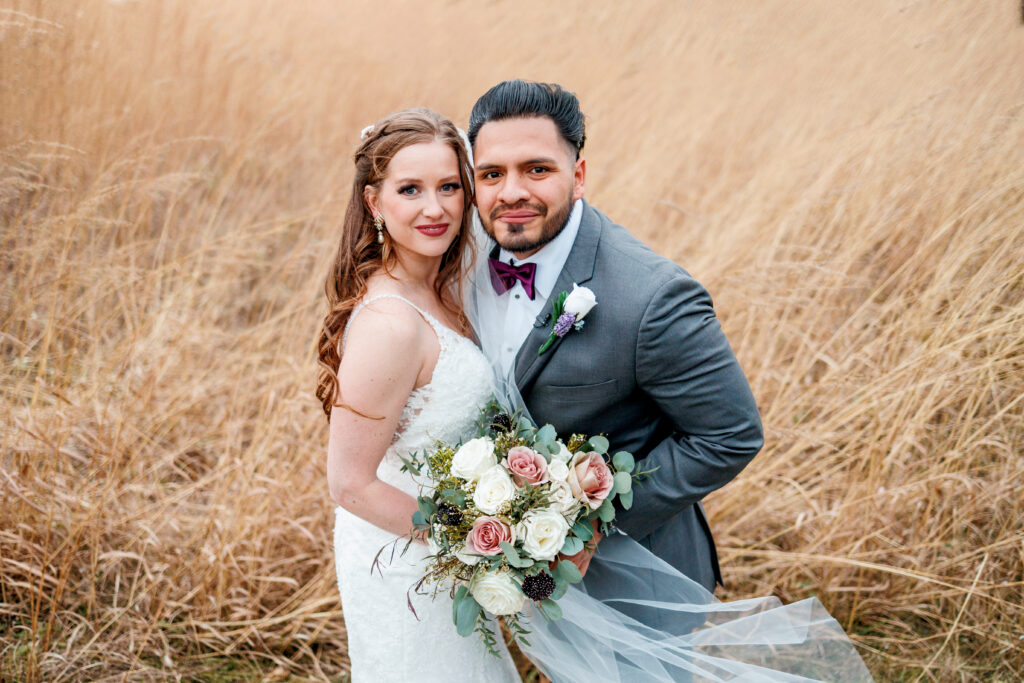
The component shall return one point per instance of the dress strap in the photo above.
(431, 320)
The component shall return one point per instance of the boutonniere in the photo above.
(568, 312)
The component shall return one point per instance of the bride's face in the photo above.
(420, 199)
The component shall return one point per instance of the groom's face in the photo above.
(527, 179)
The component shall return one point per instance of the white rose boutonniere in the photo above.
(568, 310)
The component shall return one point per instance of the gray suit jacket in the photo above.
(653, 371)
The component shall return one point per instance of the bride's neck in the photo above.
(416, 271)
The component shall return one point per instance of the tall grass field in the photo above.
(846, 178)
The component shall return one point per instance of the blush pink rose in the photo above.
(486, 536)
(526, 465)
(590, 479)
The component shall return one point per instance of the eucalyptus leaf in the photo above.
(589, 515)
(466, 615)
(583, 531)
(546, 450)
(606, 512)
(598, 444)
(572, 545)
(418, 520)
(456, 497)
(623, 482)
(426, 506)
(545, 435)
(568, 571)
(561, 586)
(513, 557)
(460, 594)
(623, 461)
(551, 609)
(626, 499)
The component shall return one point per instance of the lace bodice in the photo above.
(444, 409)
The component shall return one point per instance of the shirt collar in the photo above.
(551, 258)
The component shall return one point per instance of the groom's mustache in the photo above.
(540, 209)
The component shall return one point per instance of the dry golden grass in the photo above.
(847, 179)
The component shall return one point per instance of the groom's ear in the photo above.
(579, 179)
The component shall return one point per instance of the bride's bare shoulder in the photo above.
(383, 357)
(385, 323)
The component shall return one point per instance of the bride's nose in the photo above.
(433, 208)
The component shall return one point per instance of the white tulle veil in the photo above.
(650, 623)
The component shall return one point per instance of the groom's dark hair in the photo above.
(524, 99)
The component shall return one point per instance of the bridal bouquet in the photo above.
(500, 508)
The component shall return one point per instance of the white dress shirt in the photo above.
(520, 311)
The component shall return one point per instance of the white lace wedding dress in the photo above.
(386, 642)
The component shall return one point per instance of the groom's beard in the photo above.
(514, 240)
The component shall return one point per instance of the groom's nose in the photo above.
(513, 190)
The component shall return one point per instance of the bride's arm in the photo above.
(383, 360)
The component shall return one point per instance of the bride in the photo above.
(398, 372)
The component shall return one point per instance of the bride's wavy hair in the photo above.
(360, 255)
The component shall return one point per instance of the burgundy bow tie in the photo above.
(504, 276)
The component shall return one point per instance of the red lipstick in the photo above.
(433, 229)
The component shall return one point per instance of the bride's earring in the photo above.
(378, 222)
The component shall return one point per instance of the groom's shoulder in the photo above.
(625, 258)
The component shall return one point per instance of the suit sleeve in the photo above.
(685, 366)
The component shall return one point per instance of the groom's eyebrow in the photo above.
(549, 161)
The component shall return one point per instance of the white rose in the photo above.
(563, 453)
(497, 593)
(494, 489)
(543, 531)
(557, 470)
(466, 557)
(579, 301)
(473, 459)
(562, 499)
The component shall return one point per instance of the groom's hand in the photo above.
(582, 558)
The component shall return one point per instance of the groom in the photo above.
(650, 368)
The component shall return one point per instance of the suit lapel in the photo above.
(578, 268)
